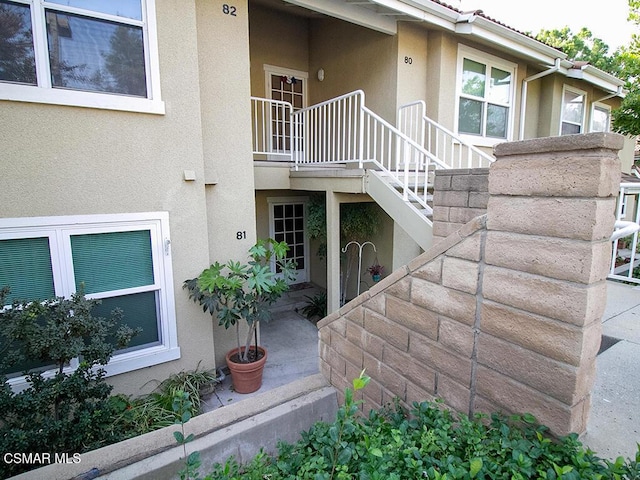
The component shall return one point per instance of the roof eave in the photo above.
(518, 43)
(597, 77)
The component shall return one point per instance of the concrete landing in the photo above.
(292, 351)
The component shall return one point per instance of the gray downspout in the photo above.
(523, 99)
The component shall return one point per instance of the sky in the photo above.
(608, 23)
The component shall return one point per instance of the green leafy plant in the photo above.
(182, 408)
(430, 442)
(67, 410)
(316, 306)
(236, 291)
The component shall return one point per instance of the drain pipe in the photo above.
(523, 100)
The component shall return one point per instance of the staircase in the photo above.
(398, 161)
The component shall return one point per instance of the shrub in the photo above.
(430, 443)
(63, 412)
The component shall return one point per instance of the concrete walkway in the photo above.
(614, 424)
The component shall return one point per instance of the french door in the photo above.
(288, 86)
(287, 219)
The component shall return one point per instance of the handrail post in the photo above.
(361, 131)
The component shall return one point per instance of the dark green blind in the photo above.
(139, 310)
(25, 266)
(112, 261)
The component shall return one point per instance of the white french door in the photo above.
(285, 85)
(287, 219)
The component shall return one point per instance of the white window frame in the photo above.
(45, 93)
(59, 231)
(600, 106)
(577, 91)
(489, 61)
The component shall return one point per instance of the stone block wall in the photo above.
(503, 313)
(459, 196)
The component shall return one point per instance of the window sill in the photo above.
(148, 357)
(118, 364)
(478, 141)
(73, 98)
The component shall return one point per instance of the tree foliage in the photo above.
(624, 63)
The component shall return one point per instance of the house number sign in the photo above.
(229, 9)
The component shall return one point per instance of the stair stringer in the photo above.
(405, 214)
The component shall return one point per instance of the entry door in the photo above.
(288, 86)
(287, 221)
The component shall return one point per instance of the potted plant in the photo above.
(376, 272)
(238, 292)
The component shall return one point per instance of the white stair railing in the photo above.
(439, 141)
(271, 129)
(625, 257)
(344, 130)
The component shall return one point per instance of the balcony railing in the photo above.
(271, 129)
(439, 141)
(626, 258)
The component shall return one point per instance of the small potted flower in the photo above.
(376, 272)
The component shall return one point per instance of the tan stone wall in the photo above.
(503, 314)
(459, 196)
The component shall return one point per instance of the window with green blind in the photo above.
(112, 261)
(124, 264)
(116, 261)
(26, 268)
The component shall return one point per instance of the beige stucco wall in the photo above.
(223, 55)
(88, 161)
(353, 58)
(277, 39)
(411, 63)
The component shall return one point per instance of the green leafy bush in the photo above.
(429, 443)
(316, 307)
(62, 412)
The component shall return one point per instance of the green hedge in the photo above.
(430, 443)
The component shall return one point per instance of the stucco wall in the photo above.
(353, 58)
(89, 161)
(60, 160)
(223, 56)
(276, 39)
(412, 63)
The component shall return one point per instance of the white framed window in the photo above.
(573, 111)
(600, 117)
(86, 53)
(485, 96)
(123, 260)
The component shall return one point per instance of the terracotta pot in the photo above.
(246, 377)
